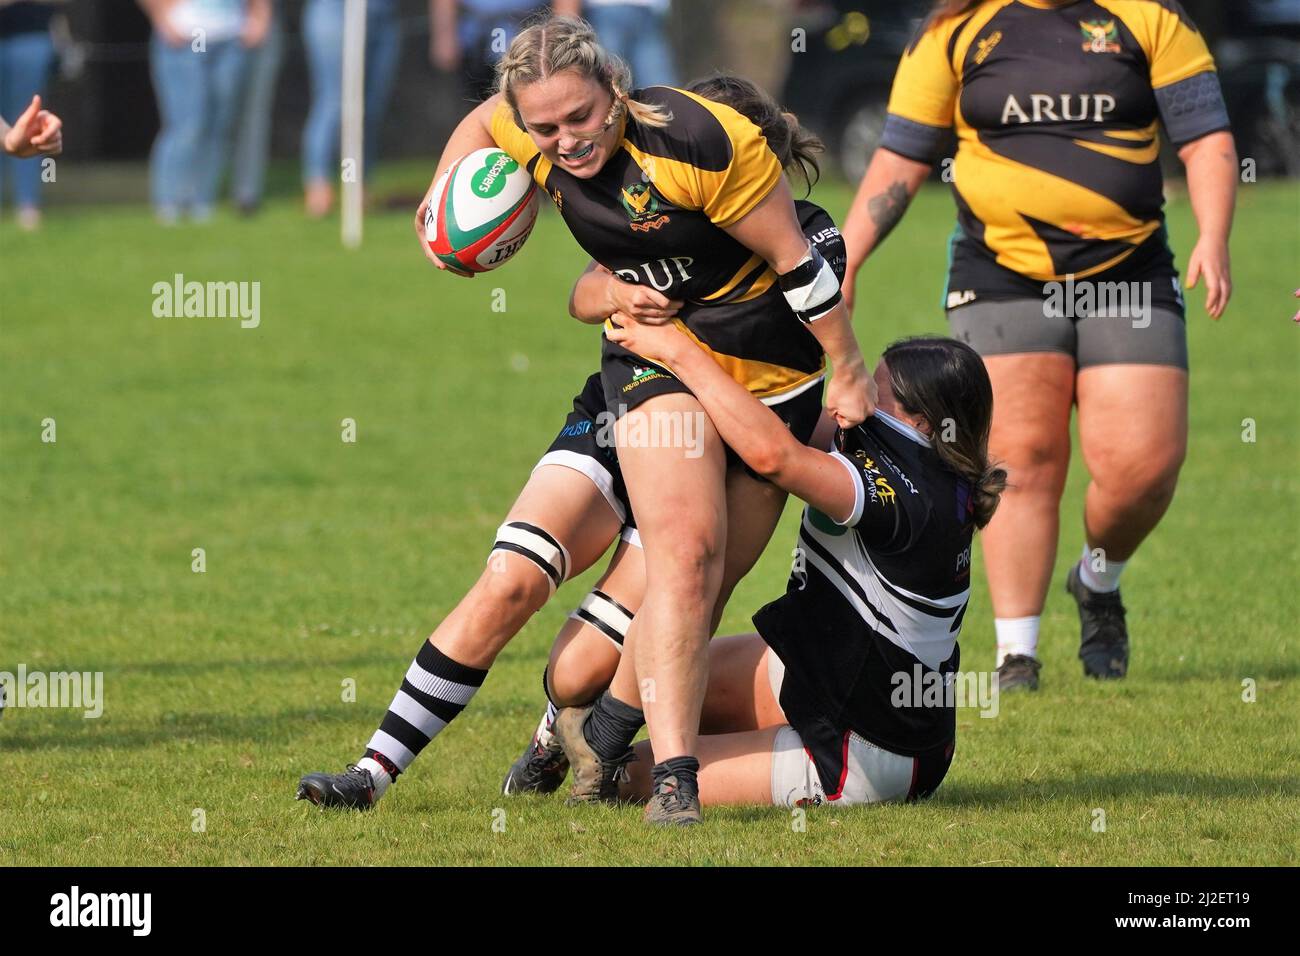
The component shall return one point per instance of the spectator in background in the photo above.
(26, 60)
(322, 33)
(197, 57)
(253, 132)
(461, 37)
(637, 32)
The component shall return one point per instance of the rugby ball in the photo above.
(481, 211)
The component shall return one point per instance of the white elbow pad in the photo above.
(811, 288)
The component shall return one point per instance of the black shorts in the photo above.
(586, 444)
(630, 380)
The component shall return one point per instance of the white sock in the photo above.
(544, 735)
(1016, 635)
(1101, 581)
(377, 773)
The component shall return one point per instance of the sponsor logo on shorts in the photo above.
(577, 429)
(642, 375)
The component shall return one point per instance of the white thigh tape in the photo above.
(604, 614)
(537, 546)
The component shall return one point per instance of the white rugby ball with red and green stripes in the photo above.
(481, 211)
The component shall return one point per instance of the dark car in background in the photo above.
(839, 82)
(1259, 66)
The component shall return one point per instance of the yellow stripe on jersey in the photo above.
(1147, 153)
(1007, 190)
(757, 287)
(1173, 49)
(763, 379)
(507, 135)
(725, 195)
(926, 82)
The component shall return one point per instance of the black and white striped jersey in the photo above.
(879, 595)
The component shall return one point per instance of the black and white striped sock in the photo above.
(434, 691)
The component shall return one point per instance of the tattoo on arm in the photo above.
(887, 209)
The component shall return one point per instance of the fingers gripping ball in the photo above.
(481, 211)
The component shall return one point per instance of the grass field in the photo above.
(327, 561)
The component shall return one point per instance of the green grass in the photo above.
(328, 561)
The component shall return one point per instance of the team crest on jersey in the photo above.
(642, 207)
(1100, 36)
(558, 198)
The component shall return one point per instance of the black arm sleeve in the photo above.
(1192, 108)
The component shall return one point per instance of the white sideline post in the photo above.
(352, 127)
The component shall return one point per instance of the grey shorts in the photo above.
(1009, 326)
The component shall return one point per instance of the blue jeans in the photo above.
(253, 128)
(198, 98)
(25, 63)
(639, 37)
(322, 33)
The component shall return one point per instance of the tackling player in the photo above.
(809, 708)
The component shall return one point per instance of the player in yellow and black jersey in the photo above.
(680, 199)
(1060, 273)
(1056, 112)
(654, 216)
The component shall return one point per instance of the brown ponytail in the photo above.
(795, 147)
(944, 381)
(953, 8)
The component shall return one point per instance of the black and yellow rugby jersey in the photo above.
(654, 215)
(1056, 110)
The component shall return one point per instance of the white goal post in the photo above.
(352, 127)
